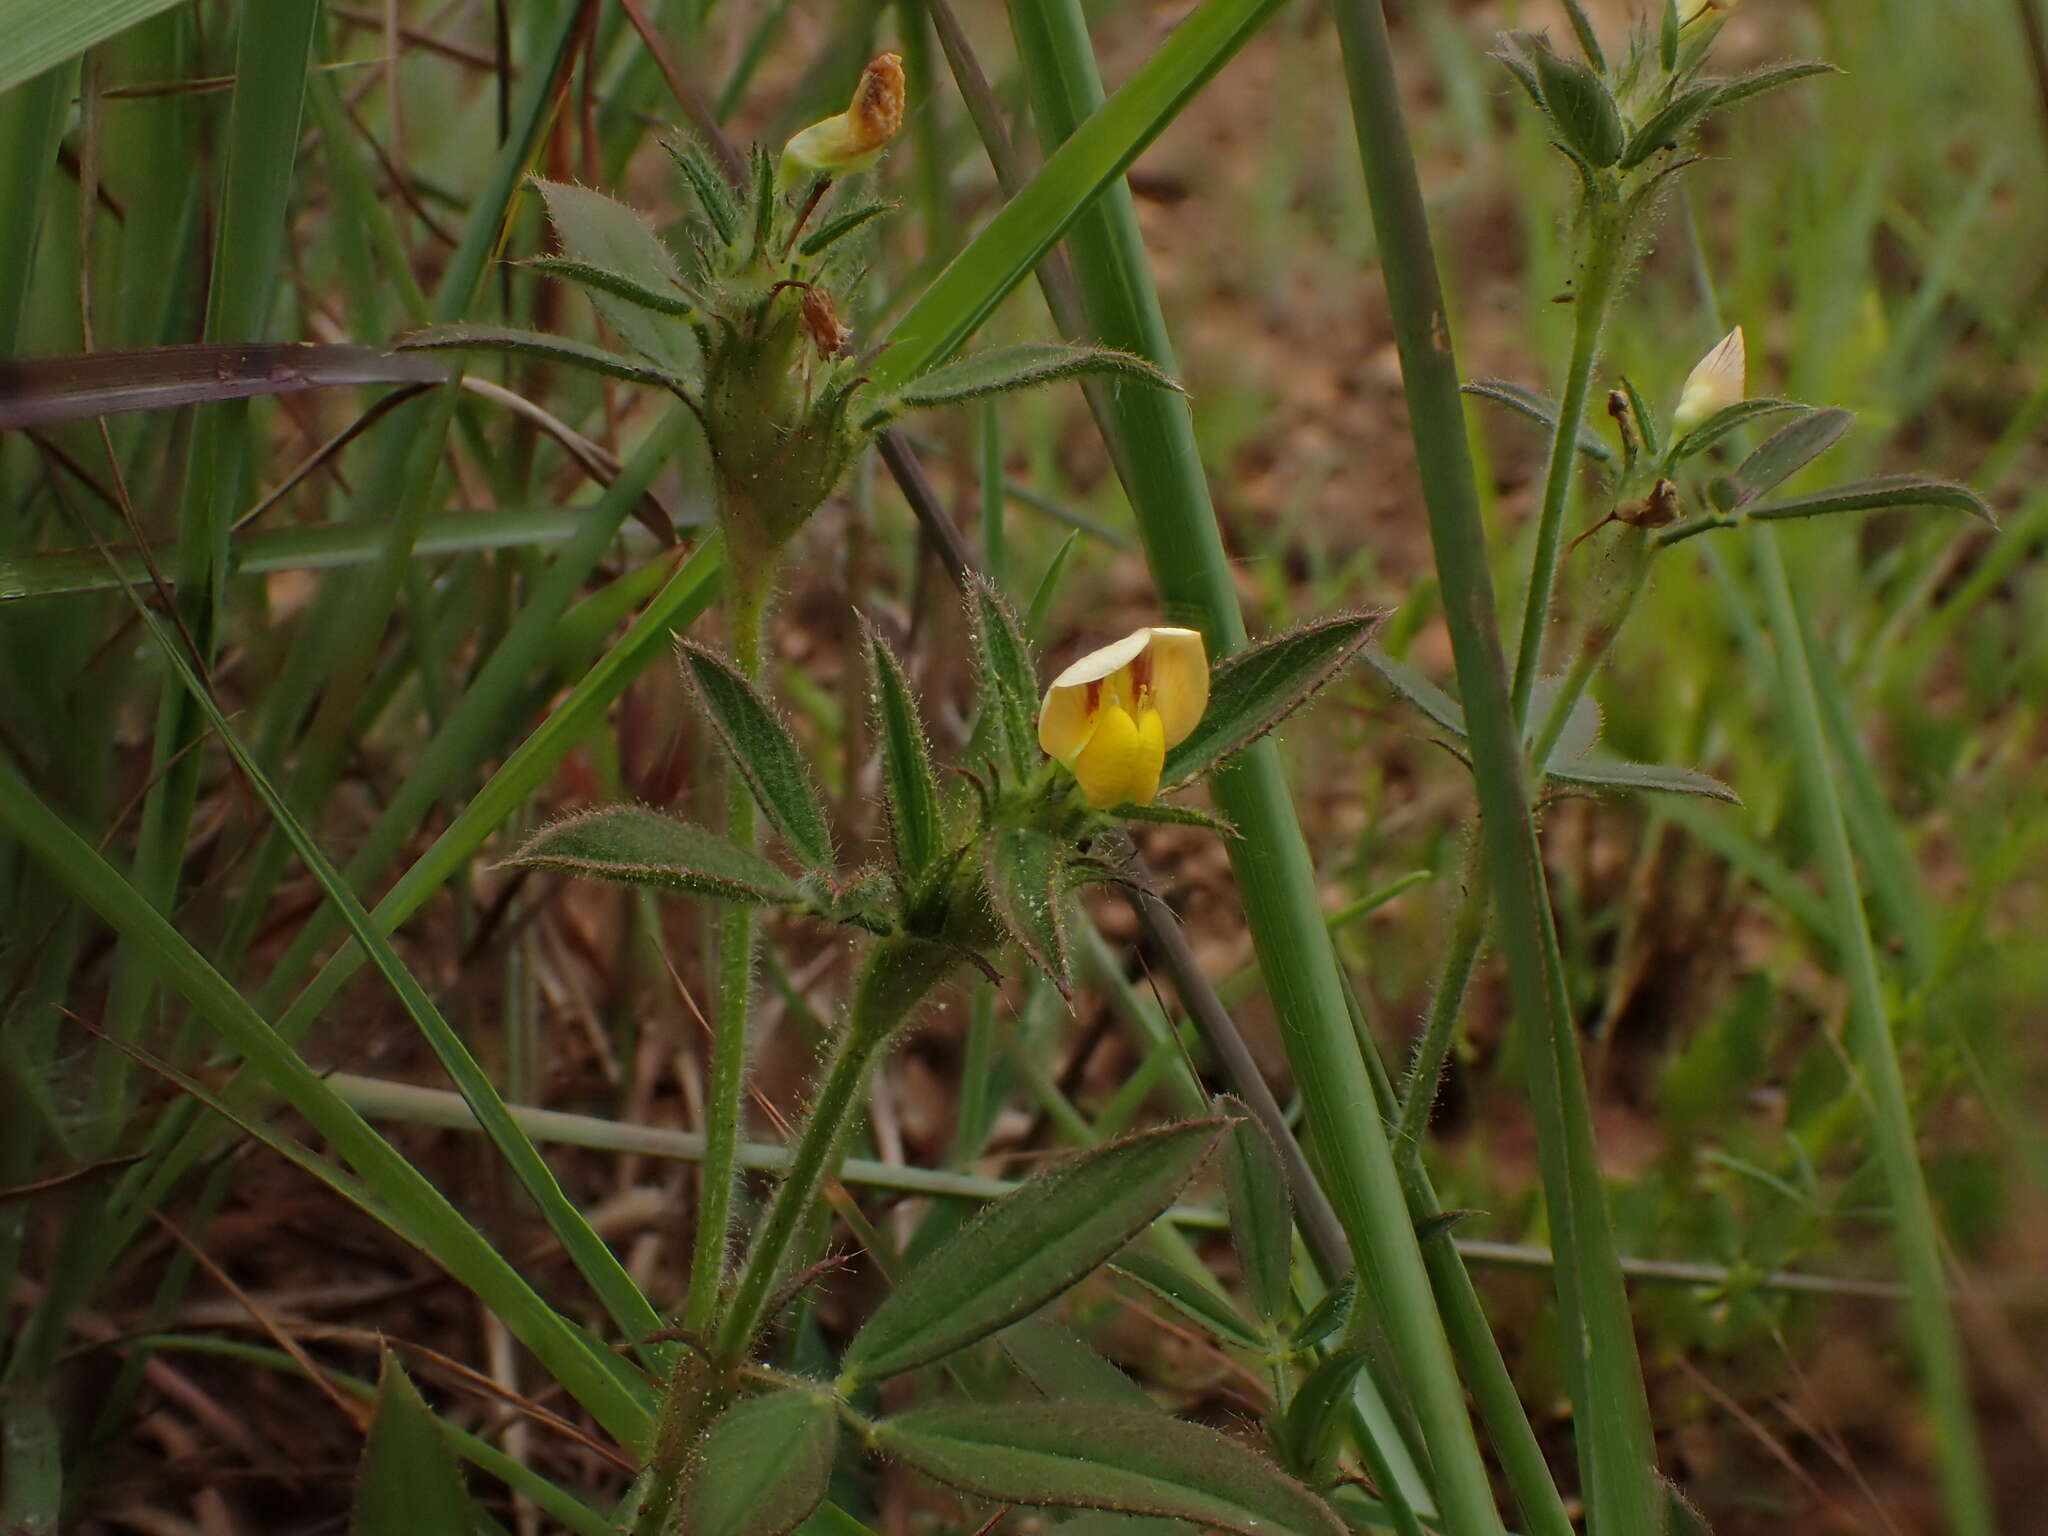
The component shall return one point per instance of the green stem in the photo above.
(1593, 650)
(1876, 1054)
(1468, 935)
(898, 973)
(1589, 318)
(1617, 1447)
(726, 1098)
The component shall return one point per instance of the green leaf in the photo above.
(1769, 78)
(408, 1483)
(605, 235)
(1261, 1215)
(1667, 127)
(1539, 408)
(1681, 1516)
(1603, 773)
(1256, 689)
(1788, 450)
(1327, 1315)
(1026, 891)
(834, 230)
(1884, 491)
(1582, 29)
(1009, 685)
(1055, 1360)
(616, 284)
(713, 192)
(1306, 1434)
(1027, 1248)
(1081, 1455)
(766, 754)
(1724, 421)
(1203, 1305)
(1580, 106)
(1023, 367)
(764, 1467)
(538, 344)
(1172, 816)
(634, 845)
(1418, 690)
(909, 788)
(1581, 727)
(1645, 418)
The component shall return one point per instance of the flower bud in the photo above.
(1716, 382)
(855, 139)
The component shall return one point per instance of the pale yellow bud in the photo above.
(855, 139)
(1716, 382)
(1112, 715)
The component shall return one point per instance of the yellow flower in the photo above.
(1111, 716)
(1716, 382)
(855, 139)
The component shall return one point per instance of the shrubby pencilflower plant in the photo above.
(980, 863)
(1111, 716)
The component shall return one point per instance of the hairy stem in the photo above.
(1596, 289)
(1468, 936)
(1593, 650)
(729, 1026)
(897, 975)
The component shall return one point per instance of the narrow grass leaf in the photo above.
(1011, 244)
(764, 1467)
(408, 1481)
(1081, 1455)
(767, 756)
(1027, 1248)
(419, 1212)
(36, 35)
(1253, 691)
(629, 1308)
(41, 391)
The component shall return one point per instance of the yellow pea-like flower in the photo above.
(855, 139)
(1112, 715)
(1716, 382)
